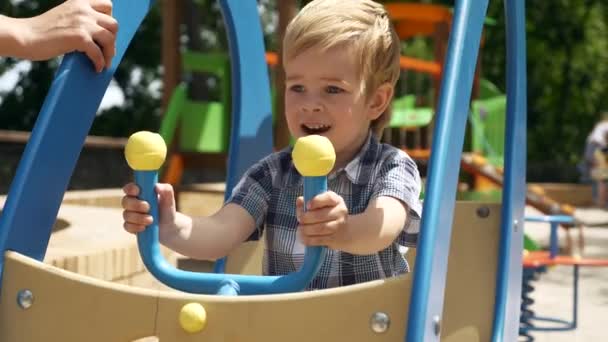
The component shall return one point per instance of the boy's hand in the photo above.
(136, 212)
(324, 221)
(75, 25)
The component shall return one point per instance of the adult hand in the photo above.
(75, 25)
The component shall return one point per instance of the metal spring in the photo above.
(530, 274)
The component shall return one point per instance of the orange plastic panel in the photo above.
(419, 65)
(272, 58)
(433, 14)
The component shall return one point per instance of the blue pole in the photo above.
(509, 272)
(426, 301)
(313, 256)
(251, 117)
(554, 243)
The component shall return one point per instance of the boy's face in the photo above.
(323, 96)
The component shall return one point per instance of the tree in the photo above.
(567, 47)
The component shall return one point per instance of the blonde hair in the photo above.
(362, 25)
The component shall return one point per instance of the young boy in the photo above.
(75, 25)
(341, 61)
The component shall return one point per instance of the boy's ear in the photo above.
(380, 100)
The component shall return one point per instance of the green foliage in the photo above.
(567, 73)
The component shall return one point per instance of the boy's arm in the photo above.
(374, 229)
(209, 238)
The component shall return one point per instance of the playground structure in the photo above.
(485, 251)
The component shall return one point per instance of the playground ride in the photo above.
(535, 264)
(41, 302)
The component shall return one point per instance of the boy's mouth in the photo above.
(315, 128)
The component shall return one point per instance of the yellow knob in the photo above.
(193, 318)
(145, 151)
(313, 155)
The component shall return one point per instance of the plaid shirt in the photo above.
(269, 189)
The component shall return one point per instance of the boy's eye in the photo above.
(333, 90)
(297, 88)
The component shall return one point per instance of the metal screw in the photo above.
(483, 212)
(380, 322)
(515, 225)
(436, 325)
(25, 299)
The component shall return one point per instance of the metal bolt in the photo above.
(483, 212)
(25, 299)
(515, 225)
(436, 325)
(380, 322)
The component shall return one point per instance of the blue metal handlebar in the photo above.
(223, 284)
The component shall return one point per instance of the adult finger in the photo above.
(105, 40)
(92, 50)
(103, 6)
(107, 22)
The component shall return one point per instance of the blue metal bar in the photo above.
(426, 301)
(564, 325)
(553, 238)
(251, 119)
(313, 256)
(509, 270)
(575, 299)
(551, 218)
(224, 284)
(56, 141)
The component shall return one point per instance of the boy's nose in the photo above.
(312, 106)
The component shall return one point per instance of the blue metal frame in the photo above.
(562, 325)
(251, 122)
(559, 324)
(554, 221)
(51, 153)
(509, 272)
(426, 300)
(223, 284)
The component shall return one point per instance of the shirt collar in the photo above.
(358, 170)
